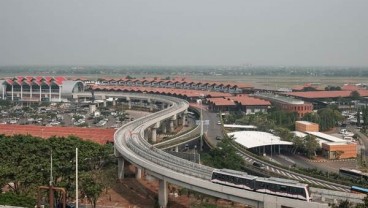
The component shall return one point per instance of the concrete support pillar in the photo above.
(50, 93)
(138, 173)
(12, 93)
(162, 193)
(40, 93)
(141, 103)
(129, 103)
(120, 168)
(114, 102)
(146, 133)
(30, 92)
(3, 92)
(104, 103)
(59, 93)
(171, 129)
(173, 121)
(163, 127)
(177, 149)
(154, 135)
(21, 91)
(184, 119)
(92, 108)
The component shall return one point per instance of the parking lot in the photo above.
(67, 114)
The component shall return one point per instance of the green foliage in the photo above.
(283, 119)
(355, 95)
(306, 89)
(224, 156)
(90, 187)
(327, 118)
(311, 145)
(332, 88)
(129, 77)
(25, 162)
(12, 199)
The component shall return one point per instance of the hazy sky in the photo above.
(186, 32)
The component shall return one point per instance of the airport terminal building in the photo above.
(36, 89)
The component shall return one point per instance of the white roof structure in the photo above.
(326, 137)
(299, 134)
(305, 122)
(240, 126)
(250, 139)
(321, 137)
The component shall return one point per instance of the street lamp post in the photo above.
(199, 101)
(271, 148)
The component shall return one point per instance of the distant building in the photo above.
(179, 83)
(245, 103)
(304, 126)
(287, 104)
(36, 89)
(334, 150)
(332, 147)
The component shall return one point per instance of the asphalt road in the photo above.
(212, 130)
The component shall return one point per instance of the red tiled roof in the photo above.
(185, 80)
(351, 87)
(326, 94)
(246, 100)
(221, 101)
(37, 80)
(166, 91)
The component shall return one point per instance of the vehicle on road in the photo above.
(351, 173)
(359, 190)
(258, 165)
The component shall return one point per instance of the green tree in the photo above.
(327, 118)
(25, 162)
(298, 144)
(224, 156)
(12, 199)
(311, 145)
(90, 187)
(355, 95)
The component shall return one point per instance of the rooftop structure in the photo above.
(287, 104)
(279, 98)
(53, 89)
(185, 93)
(305, 126)
(240, 126)
(325, 137)
(178, 83)
(244, 103)
(326, 94)
(251, 139)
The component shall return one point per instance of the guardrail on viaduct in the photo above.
(130, 145)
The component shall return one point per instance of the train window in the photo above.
(293, 190)
(303, 192)
(283, 189)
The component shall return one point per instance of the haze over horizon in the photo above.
(164, 32)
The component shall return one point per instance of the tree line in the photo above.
(25, 165)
